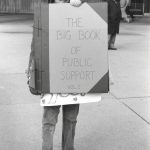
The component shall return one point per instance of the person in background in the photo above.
(114, 17)
(127, 15)
(128, 10)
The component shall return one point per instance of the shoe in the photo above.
(112, 48)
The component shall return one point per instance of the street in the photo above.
(121, 121)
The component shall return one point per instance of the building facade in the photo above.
(16, 6)
(27, 6)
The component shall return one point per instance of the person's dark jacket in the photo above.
(114, 16)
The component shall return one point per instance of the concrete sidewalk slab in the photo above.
(141, 106)
(20, 127)
(109, 125)
(15, 50)
(129, 65)
(14, 90)
(17, 27)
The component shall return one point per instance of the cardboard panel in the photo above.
(45, 46)
(54, 52)
(37, 48)
(45, 61)
(77, 49)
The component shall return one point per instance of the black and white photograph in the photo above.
(74, 75)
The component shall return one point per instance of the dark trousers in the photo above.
(50, 116)
(111, 40)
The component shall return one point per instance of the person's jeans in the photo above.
(50, 116)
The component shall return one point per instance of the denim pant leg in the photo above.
(49, 121)
(70, 113)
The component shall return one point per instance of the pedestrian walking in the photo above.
(114, 17)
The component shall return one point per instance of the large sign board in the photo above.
(78, 61)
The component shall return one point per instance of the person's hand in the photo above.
(75, 3)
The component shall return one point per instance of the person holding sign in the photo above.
(70, 112)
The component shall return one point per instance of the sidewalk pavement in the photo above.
(121, 121)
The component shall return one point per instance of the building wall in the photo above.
(147, 6)
(27, 6)
(16, 6)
